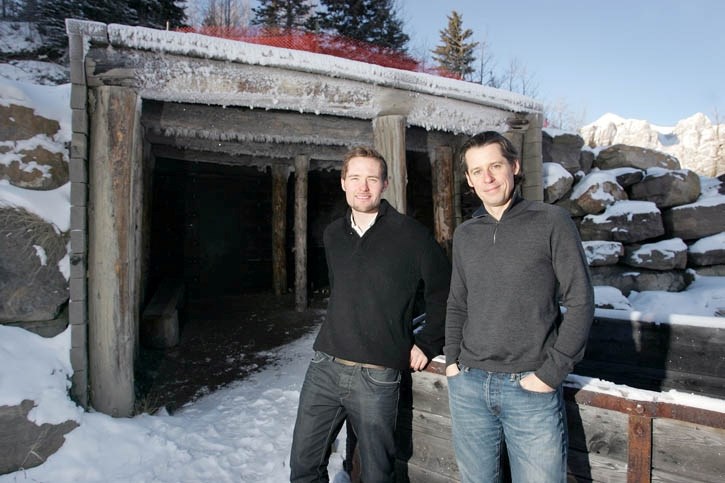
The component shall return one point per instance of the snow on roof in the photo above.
(202, 46)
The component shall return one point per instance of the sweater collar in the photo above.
(515, 200)
(383, 210)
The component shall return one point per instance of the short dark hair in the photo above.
(485, 138)
(364, 152)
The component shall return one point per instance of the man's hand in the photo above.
(534, 384)
(452, 370)
(418, 359)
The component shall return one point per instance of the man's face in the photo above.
(363, 184)
(491, 176)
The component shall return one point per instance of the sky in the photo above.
(655, 60)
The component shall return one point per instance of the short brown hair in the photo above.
(364, 152)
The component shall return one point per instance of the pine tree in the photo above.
(159, 13)
(456, 54)
(284, 14)
(371, 21)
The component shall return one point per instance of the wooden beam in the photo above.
(302, 165)
(639, 449)
(279, 229)
(443, 215)
(113, 249)
(242, 125)
(389, 138)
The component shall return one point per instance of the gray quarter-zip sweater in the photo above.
(509, 278)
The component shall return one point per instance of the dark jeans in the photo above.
(332, 392)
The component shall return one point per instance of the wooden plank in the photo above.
(639, 452)
(689, 450)
(598, 431)
(586, 467)
(279, 229)
(302, 164)
(430, 393)
(389, 139)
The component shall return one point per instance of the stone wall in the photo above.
(646, 224)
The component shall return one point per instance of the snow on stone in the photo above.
(553, 172)
(51, 205)
(594, 178)
(596, 250)
(17, 149)
(623, 207)
(40, 251)
(51, 102)
(612, 297)
(668, 248)
(708, 243)
(19, 37)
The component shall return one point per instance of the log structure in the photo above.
(181, 156)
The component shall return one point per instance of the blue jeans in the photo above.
(332, 392)
(488, 408)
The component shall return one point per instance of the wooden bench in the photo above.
(160, 320)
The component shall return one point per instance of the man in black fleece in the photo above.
(508, 345)
(376, 259)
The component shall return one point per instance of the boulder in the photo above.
(557, 182)
(707, 251)
(696, 220)
(663, 255)
(31, 285)
(586, 160)
(570, 205)
(24, 443)
(624, 221)
(36, 168)
(600, 253)
(623, 156)
(564, 149)
(667, 188)
(626, 177)
(627, 279)
(596, 191)
(20, 122)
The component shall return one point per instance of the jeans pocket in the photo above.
(382, 377)
(528, 391)
(318, 357)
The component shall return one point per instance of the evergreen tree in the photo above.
(159, 13)
(371, 21)
(456, 54)
(284, 14)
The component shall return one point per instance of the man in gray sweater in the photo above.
(508, 344)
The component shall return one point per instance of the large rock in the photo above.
(564, 149)
(624, 221)
(626, 177)
(600, 253)
(20, 122)
(707, 251)
(36, 168)
(596, 191)
(557, 182)
(663, 255)
(623, 156)
(696, 220)
(31, 284)
(696, 141)
(667, 188)
(24, 443)
(627, 280)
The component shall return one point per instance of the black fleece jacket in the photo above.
(373, 283)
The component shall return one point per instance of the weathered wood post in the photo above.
(525, 133)
(442, 185)
(389, 139)
(113, 247)
(280, 173)
(302, 166)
